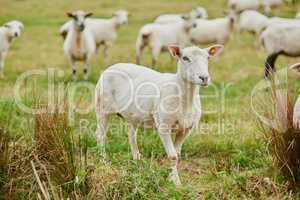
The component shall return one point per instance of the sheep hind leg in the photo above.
(139, 52)
(270, 64)
(132, 138)
(155, 53)
(101, 133)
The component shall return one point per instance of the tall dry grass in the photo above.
(54, 166)
(281, 135)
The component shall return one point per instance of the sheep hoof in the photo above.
(137, 156)
(173, 177)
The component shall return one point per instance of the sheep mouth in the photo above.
(204, 84)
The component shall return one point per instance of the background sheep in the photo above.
(241, 5)
(159, 36)
(196, 13)
(121, 83)
(280, 40)
(79, 44)
(269, 4)
(253, 22)
(104, 31)
(8, 32)
(214, 30)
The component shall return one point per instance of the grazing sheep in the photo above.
(104, 31)
(241, 5)
(170, 103)
(79, 44)
(8, 32)
(196, 13)
(253, 22)
(213, 31)
(159, 36)
(268, 4)
(278, 40)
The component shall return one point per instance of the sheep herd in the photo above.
(173, 101)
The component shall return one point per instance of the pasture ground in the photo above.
(225, 158)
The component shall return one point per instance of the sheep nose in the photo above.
(81, 27)
(204, 80)
(16, 34)
(194, 25)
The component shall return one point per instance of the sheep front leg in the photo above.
(86, 67)
(180, 138)
(132, 137)
(165, 136)
(85, 71)
(107, 46)
(73, 66)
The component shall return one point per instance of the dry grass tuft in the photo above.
(53, 167)
(4, 157)
(283, 138)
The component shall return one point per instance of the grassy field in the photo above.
(225, 158)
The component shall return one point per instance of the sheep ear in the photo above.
(21, 25)
(295, 69)
(69, 14)
(225, 12)
(214, 50)
(175, 51)
(185, 17)
(88, 14)
(6, 26)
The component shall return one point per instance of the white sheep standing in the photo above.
(241, 5)
(196, 13)
(159, 36)
(214, 30)
(79, 44)
(104, 30)
(269, 4)
(280, 39)
(8, 32)
(252, 21)
(170, 103)
(255, 22)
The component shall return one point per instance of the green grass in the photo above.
(225, 157)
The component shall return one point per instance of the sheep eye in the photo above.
(185, 58)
